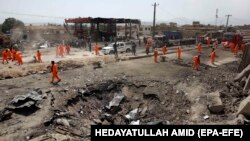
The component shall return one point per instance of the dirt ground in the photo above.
(168, 92)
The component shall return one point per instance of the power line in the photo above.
(32, 15)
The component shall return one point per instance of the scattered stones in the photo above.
(5, 115)
(206, 117)
(63, 122)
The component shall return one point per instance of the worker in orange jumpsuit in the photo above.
(9, 54)
(13, 53)
(232, 46)
(179, 53)
(19, 58)
(96, 49)
(156, 55)
(4, 56)
(164, 49)
(39, 56)
(64, 49)
(236, 50)
(225, 44)
(212, 56)
(208, 42)
(61, 50)
(54, 71)
(199, 47)
(196, 62)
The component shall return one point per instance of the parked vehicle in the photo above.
(214, 35)
(121, 47)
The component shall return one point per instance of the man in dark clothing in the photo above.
(133, 48)
(115, 50)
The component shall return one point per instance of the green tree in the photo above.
(11, 23)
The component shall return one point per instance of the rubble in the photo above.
(115, 102)
(244, 107)
(215, 104)
(26, 101)
(5, 115)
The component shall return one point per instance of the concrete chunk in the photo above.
(244, 107)
(215, 104)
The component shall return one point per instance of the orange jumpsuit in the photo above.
(54, 71)
(196, 62)
(164, 50)
(96, 49)
(19, 58)
(212, 57)
(232, 46)
(39, 56)
(155, 55)
(199, 47)
(61, 50)
(4, 56)
(208, 42)
(9, 54)
(179, 53)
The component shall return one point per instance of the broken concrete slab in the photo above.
(115, 102)
(5, 114)
(132, 114)
(215, 105)
(21, 101)
(244, 107)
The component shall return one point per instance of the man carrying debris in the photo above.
(54, 71)
(39, 56)
(212, 56)
(179, 53)
(4, 56)
(196, 62)
(164, 49)
(156, 55)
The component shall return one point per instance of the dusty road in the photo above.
(168, 92)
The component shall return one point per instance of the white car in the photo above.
(121, 47)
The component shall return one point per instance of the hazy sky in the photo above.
(181, 11)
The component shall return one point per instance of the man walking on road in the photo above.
(54, 71)
(133, 48)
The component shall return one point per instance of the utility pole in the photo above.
(227, 21)
(216, 16)
(154, 19)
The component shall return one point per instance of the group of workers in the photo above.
(11, 55)
(62, 50)
(196, 59)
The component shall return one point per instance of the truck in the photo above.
(121, 47)
(174, 38)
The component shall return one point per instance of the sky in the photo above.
(180, 11)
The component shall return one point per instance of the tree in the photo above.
(11, 23)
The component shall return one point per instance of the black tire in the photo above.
(111, 52)
(128, 50)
